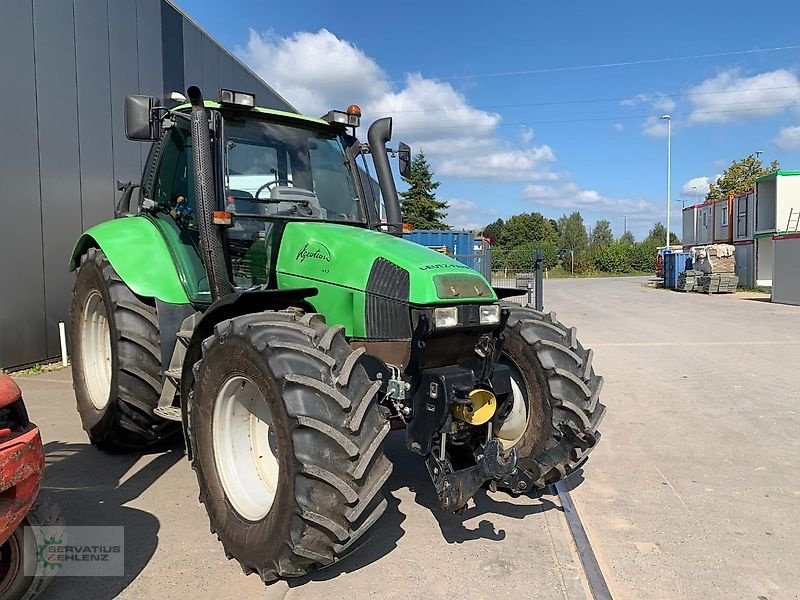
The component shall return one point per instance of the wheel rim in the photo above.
(245, 447)
(96, 351)
(10, 564)
(515, 424)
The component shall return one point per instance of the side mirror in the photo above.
(141, 123)
(404, 160)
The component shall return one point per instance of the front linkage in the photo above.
(451, 412)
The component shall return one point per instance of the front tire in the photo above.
(555, 412)
(116, 360)
(287, 442)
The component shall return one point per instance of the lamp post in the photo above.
(668, 119)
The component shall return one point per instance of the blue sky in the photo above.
(554, 140)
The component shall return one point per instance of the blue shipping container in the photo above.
(675, 263)
(461, 245)
(458, 243)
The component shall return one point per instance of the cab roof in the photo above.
(258, 109)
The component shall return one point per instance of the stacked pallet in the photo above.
(718, 283)
(689, 281)
(716, 258)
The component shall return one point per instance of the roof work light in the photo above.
(238, 98)
(351, 118)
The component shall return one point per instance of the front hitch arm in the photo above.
(455, 488)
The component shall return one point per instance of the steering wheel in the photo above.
(269, 185)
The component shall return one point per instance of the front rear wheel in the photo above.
(554, 414)
(116, 359)
(287, 439)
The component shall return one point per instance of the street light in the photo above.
(668, 119)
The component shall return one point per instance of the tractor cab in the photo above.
(271, 167)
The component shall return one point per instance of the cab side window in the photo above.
(172, 189)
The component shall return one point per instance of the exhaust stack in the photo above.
(379, 133)
(205, 195)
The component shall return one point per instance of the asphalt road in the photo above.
(691, 494)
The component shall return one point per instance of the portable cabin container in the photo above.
(786, 268)
(722, 232)
(776, 207)
(705, 225)
(690, 225)
(777, 197)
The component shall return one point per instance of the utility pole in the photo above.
(668, 119)
(626, 224)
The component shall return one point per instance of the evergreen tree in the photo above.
(419, 205)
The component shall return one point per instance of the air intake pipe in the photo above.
(205, 197)
(379, 133)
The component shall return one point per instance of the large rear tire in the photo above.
(554, 418)
(287, 440)
(116, 360)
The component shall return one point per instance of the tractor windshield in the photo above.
(287, 172)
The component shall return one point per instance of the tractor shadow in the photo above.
(410, 475)
(91, 488)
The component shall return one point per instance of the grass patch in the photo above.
(36, 369)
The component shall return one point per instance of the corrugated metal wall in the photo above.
(66, 67)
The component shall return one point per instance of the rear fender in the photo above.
(139, 254)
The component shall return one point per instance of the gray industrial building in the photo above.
(66, 67)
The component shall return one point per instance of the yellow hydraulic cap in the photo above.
(483, 406)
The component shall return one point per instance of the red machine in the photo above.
(21, 470)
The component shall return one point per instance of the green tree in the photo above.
(572, 233)
(740, 177)
(659, 233)
(627, 238)
(419, 205)
(525, 228)
(601, 234)
(493, 231)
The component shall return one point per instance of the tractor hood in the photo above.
(371, 262)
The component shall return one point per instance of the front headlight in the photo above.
(445, 316)
(490, 314)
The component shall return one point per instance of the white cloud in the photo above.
(619, 126)
(466, 214)
(504, 164)
(731, 96)
(526, 136)
(319, 71)
(657, 100)
(655, 127)
(432, 115)
(696, 187)
(788, 138)
(571, 196)
(315, 71)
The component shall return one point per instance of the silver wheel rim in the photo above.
(96, 351)
(245, 448)
(515, 424)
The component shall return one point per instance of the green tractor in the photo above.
(251, 295)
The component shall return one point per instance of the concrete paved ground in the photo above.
(692, 492)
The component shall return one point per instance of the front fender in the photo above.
(139, 255)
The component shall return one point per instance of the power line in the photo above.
(627, 63)
(642, 98)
